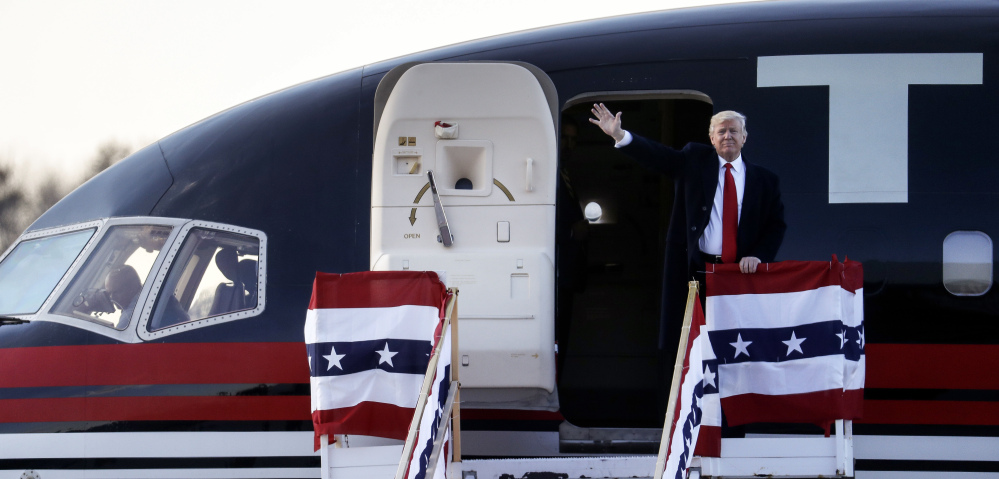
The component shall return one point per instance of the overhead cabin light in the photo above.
(592, 212)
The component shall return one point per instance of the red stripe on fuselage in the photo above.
(157, 408)
(932, 366)
(952, 413)
(181, 363)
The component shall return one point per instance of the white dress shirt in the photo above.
(624, 141)
(711, 239)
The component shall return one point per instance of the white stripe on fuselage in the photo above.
(156, 444)
(220, 473)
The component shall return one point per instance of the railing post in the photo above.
(324, 452)
(674, 389)
(455, 367)
(428, 379)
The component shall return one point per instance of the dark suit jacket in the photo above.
(695, 172)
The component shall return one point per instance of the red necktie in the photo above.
(730, 217)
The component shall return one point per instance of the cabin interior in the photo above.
(610, 267)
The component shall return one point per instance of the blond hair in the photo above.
(727, 115)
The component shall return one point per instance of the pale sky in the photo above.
(77, 74)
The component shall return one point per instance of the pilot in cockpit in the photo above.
(123, 286)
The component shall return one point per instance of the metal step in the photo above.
(581, 440)
(590, 467)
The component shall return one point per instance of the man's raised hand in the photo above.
(607, 121)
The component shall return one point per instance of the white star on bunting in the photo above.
(842, 339)
(385, 356)
(709, 377)
(334, 359)
(794, 344)
(741, 347)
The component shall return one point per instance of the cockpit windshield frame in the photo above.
(104, 225)
(49, 233)
(160, 280)
(135, 331)
(108, 284)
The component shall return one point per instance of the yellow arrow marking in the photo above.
(506, 191)
(420, 195)
(423, 191)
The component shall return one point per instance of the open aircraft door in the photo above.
(487, 132)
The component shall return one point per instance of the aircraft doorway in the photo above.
(612, 220)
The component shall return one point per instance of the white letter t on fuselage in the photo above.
(868, 100)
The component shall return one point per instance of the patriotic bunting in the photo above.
(789, 341)
(369, 337)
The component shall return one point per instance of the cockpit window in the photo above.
(214, 273)
(107, 288)
(33, 269)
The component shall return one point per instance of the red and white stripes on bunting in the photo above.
(689, 420)
(788, 340)
(433, 414)
(369, 337)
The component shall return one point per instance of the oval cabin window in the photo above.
(967, 263)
